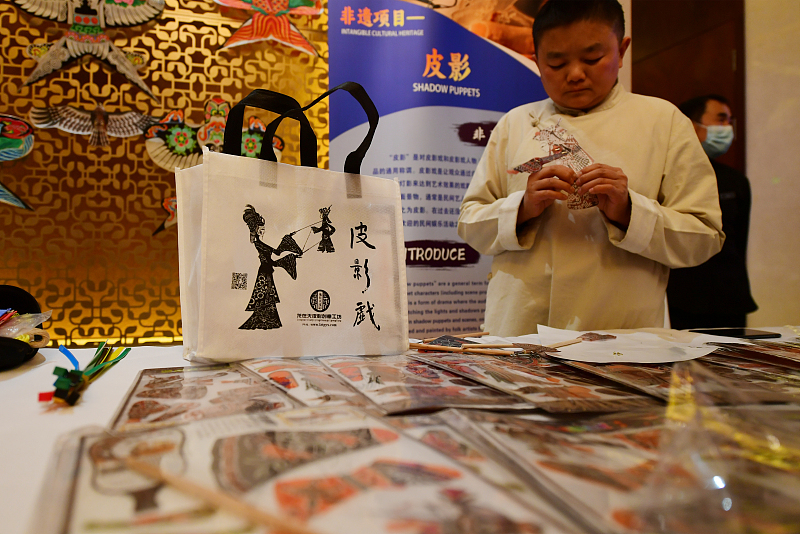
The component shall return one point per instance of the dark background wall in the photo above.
(686, 48)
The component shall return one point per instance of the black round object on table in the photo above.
(14, 352)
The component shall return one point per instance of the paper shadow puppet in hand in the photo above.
(264, 299)
(563, 149)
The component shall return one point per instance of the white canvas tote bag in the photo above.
(284, 260)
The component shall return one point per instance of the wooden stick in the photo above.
(565, 343)
(473, 334)
(219, 499)
(435, 348)
(493, 352)
(488, 345)
(468, 334)
(442, 348)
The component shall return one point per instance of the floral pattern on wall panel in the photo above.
(86, 195)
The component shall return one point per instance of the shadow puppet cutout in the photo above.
(264, 299)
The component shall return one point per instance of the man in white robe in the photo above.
(635, 161)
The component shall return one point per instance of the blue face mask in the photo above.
(718, 139)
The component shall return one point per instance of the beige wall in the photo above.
(772, 44)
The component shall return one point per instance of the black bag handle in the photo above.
(276, 103)
(352, 163)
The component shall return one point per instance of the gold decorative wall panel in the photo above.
(87, 250)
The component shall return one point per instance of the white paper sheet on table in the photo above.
(644, 345)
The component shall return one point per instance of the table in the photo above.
(28, 437)
(30, 433)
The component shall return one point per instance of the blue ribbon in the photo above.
(63, 350)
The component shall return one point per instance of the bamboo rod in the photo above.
(468, 334)
(493, 352)
(219, 499)
(565, 343)
(489, 345)
(441, 348)
(435, 348)
(473, 334)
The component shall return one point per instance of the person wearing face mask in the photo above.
(716, 293)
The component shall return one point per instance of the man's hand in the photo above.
(551, 183)
(611, 187)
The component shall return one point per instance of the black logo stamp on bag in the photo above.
(320, 300)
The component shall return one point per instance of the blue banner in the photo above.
(439, 89)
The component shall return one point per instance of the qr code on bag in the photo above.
(239, 281)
